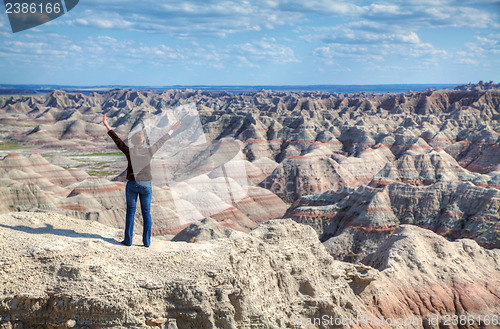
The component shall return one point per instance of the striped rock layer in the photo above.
(33, 183)
(289, 128)
(354, 222)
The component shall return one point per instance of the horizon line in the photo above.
(228, 85)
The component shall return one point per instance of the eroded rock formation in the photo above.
(353, 222)
(33, 183)
(76, 274)
(296, 144)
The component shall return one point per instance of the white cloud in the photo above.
(370, 53)
(460, 17)
(338, 53)
(491, 42)
(370, 42)
(355, 35)
(483, 52)
(418, 14)
(192, 18)
(183, 19)
(267, 50)
(384, 9)
(103, 21)
(484, 47)
(109, 52)
(467, 61)
(231, 33)
(321, 7)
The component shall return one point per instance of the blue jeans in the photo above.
(145, 192)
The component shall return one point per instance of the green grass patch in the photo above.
(11, 145)
(76, 166)
(101, 154)
(80, 160)
(99, 173)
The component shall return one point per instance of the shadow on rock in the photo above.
(49, 229)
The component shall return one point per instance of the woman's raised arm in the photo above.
(105, 121)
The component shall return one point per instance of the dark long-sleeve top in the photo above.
(141, 157)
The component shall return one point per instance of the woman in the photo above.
(138, 179)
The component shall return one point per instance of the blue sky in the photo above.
(259, 42)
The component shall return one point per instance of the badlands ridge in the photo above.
(405, 187)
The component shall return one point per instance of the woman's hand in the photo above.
(105, 121)
(174, 128)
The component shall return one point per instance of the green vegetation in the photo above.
(89, 162)
(10, 145)
(99, 173)
(77, 166)
(101, 154)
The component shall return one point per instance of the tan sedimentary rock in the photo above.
(266, 165)
(303, 175)
(295, 144)
(354, 222)
(423, 274)
(368, 163)
(282, 125)
(80, 272)
(23, 196)
(75, 274)
(30, 183)
(429, 167)
(205, 230)
(35, 167)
